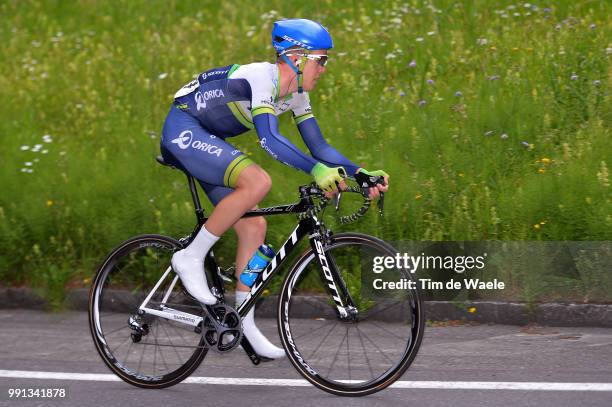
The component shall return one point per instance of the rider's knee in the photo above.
(255, 180)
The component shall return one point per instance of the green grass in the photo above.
(509, 142)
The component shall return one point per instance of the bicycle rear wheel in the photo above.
(363, 355)
(144, 349)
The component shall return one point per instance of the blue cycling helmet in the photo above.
(299, 32)
(306, 34)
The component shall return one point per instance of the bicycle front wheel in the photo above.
(152, 348)
(360, 355)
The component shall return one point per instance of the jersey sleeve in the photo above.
(300, 106)
(263, 90)
(320, 149)
(279, 147)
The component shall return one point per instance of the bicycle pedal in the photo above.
(226, 275)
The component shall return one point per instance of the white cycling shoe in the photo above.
(261, 344)
(191, 272)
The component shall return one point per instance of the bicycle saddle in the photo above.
(160, 160)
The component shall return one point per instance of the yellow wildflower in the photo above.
(472, 310)
(541, 170)
(536, 226)
(546, 160)
(49, 202)
(418, 196)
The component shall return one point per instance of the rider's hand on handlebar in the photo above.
(375, 190)
(329, 178)
(341, 187)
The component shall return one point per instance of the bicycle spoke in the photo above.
(376, 346)
(144, 349)
(368, 316)
(121, 343)
(386, 330)
(171, 344)
(348, 352)
(365, 353)
(127, 355)
(322, 341)
(178, 331)
(107, 334)
(161, 354)
(155, 355)
(308, 333)
(336, 356)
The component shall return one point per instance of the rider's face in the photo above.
(312, 71)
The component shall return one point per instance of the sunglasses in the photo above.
(321, 59)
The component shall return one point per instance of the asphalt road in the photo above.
(32, 341)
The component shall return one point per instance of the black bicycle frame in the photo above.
(308, 226)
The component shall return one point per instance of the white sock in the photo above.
(260, 343)
(202, 243)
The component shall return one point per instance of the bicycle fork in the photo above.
(334, 283)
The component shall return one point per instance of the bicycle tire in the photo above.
(292, 320)
(113, 294)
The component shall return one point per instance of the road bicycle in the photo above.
(340, 334)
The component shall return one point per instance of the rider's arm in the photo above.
(312, 136)
(320, 149)
(270, 139)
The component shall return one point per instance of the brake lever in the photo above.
(381, 203)
(337, 200)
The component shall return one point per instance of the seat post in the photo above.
(196, 199)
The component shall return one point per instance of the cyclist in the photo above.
(231, 100)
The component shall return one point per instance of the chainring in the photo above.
(222, 328)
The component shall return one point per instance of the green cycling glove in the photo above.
(326, 177)
(377, 173)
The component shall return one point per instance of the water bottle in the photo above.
(258, 262)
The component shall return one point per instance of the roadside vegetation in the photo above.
(492, 117)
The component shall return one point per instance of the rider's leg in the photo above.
(251, 234)
(230, 179)
(251, 187)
